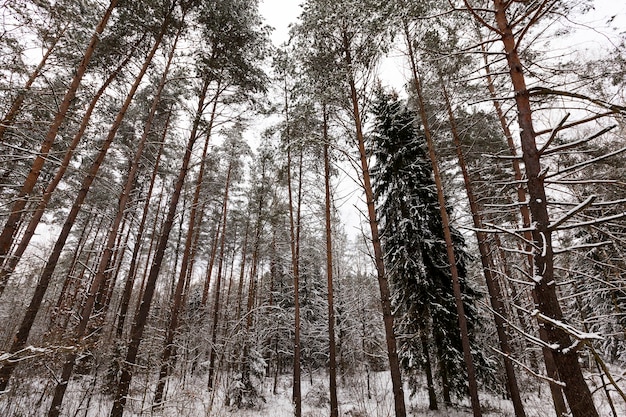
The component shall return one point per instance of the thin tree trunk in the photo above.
(78, 250)
(555, 389)
(156, 232)
(209, 271)
(218, 283)
(141, 318)
(17, 210)
(169, 349)
(11, 262)
(458, 296)
(493, 286)
(98, 284)
(566, 359)
(9, 117)
(242, 271)
(432, 396)
(134, 261)
(332, 349)
(61, 317)
(383, 284)
(294, 234)
(22, 335)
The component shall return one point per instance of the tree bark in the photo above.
(9, 117)
(9, 264)
(555, 389)
(332, 349)
(169, 349)
(493, 286)
(98, 286)
(17, 210)
(458, 296)
(383, 284)
(218, 282)
(132, 269)
(294, 234)
(566, 359)
(141, 318)
(42, 285)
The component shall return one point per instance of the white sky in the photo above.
(279, 14)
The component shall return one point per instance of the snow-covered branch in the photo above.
(588, 162)
(30, 352)
(594, 221)
(528, 369)
(554, 132)
(580, 336)
(582, 246)
(571, 213)
(515, 232)
(571, 145)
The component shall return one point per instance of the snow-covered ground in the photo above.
(189, 398)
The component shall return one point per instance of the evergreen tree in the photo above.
(415, 251)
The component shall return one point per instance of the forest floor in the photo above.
(189, 398)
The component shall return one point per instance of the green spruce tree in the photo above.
(415, 252)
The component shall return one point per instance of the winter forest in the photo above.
(402, 208)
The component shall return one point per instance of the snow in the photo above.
(189, 398)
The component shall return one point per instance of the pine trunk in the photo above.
(294, 234)
(555, 390)
(383, 284)
(566, 360)
(332, 350)
(141, 318)
(218, 284)
(11, 262)
(42, 285)
(169, 349)
(493, 287)
(132, 269)
(16, 105)
(17, 210)
(458, 296)
(98, 286)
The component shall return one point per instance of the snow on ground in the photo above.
(188, 397)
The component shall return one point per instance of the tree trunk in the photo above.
(458, 296)
(218, 283)
(493, 287)
(566, 359)
(332, 350)
(134, 261)
(98, 286)
(555, 390)
(9, 117)
(141, 318)
(20, 339)
(383, 284)
(169, 349)
(11, 262)
(242, 271)
(432, 396)
(294, 234)
(17, 210)
(209, 270)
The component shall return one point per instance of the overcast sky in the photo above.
(279, 14)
